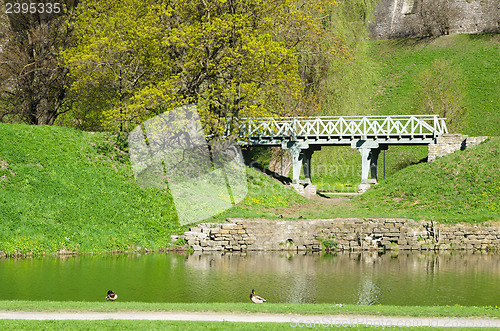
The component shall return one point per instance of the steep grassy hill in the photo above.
(66, 189)
(62, 188)
(475, 57)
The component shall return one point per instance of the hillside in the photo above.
(396, 71)
(463, 186)
(474, 57)
(65, 189)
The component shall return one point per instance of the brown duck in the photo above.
(256, 298)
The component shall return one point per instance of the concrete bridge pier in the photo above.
(301, 158)
(370, 152)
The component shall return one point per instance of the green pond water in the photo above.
(357, 278)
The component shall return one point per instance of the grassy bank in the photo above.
(66, 190)
(462, 186)
(180, 325)
(457, 313)
(62, 188)
(244, 308)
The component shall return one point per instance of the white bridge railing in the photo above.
(407, 126)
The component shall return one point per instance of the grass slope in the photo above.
(462, 186)
(400, 62)
(65, 189)
(62, 189)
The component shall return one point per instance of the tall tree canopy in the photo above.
(233, 58)
(33, 83)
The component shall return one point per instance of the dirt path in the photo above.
(293, 320)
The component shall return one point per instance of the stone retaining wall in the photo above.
(341, 234)
(396, 18)
(449, 143)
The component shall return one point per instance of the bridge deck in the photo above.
(369, 134)
(343, 130)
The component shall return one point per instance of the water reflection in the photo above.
(361, 278)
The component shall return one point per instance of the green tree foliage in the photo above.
(233, 58)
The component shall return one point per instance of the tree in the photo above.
(32, 80)
(435, 17)
(233, 58)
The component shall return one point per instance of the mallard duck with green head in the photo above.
(256, 298)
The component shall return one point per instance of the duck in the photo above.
(111, 296)
(256, 298)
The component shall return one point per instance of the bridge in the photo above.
(369, 134)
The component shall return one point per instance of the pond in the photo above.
(350, 278)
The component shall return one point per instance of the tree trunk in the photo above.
(276, 162)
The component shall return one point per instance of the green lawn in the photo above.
(458, 313)
(180, 325)
(271, 308)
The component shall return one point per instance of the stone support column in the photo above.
(365, 164)
(370, 152)
(306, 164)
(374, 153)
(301, 158)
(295, 150)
